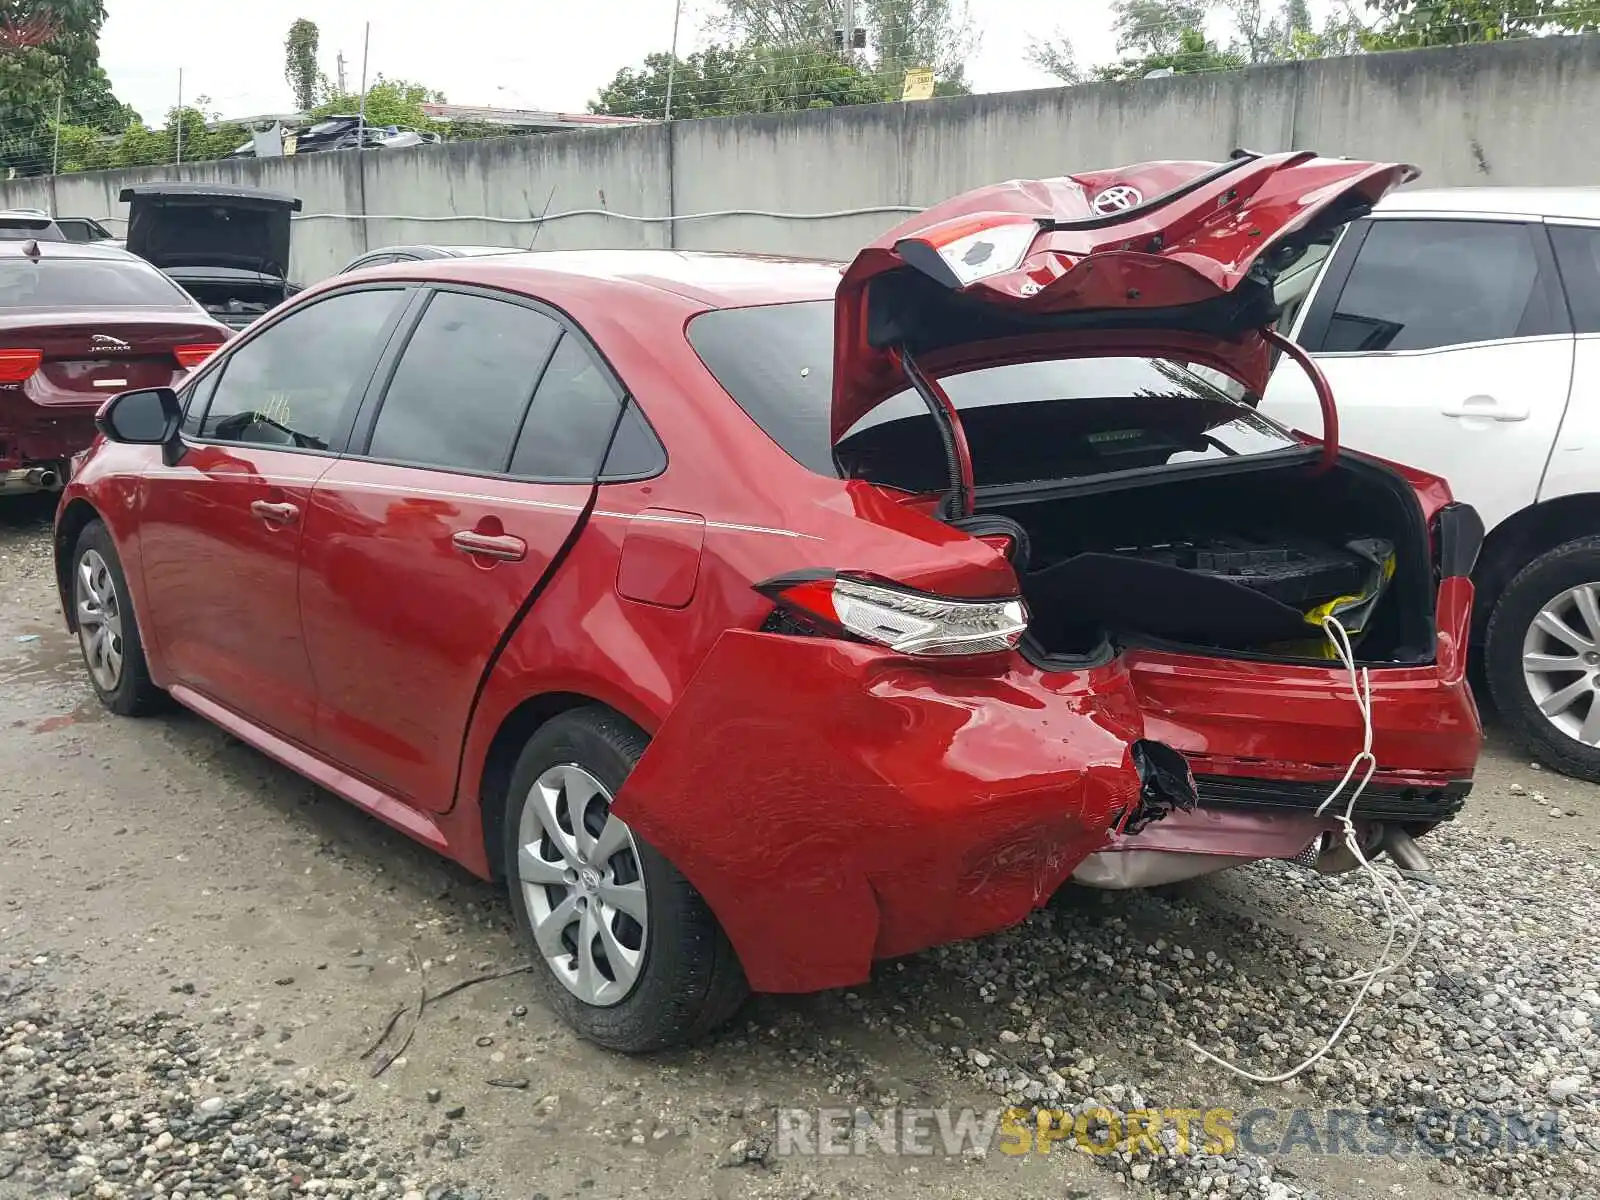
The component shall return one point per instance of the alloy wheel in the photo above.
(99, 620)
(579, 871)
(1561, 662)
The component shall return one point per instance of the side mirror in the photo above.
(147, 417)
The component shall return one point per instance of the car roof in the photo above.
(473, 251)
(442, 249)
(716, 280)
(80, 250)
(1576, 203)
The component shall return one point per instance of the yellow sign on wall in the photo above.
(919, 84)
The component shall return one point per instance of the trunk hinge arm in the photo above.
(1324, 391)
(958, 501)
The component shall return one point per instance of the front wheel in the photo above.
(630, 955)
(108, 631)
(1542, 658)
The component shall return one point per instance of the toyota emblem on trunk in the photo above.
(1117, 198)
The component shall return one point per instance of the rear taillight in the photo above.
(18, 365)
(1001, 543)
(190, 357)
(906, 621)
(966, 249)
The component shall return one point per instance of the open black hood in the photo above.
(210, 225)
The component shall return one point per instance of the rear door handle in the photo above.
(275, 514)
(1485, 408)
(488, 545)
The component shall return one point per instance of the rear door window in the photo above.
(462, 387)
(1426, 284)
(295, 385)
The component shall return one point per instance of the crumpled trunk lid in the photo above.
(1173, 258)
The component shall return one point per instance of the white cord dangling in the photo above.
(1390, 895)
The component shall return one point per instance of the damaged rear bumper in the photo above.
(1242, 818)
(1239, 722)
(835, 803)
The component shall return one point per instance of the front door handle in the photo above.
(1485, 408)
(275, 514)
(488, 545)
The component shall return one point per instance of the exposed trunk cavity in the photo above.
(1242, 561)
(236, 303)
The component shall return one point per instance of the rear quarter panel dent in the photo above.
(798, 777)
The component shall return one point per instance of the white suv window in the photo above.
(1422, 284)
(1578, 256)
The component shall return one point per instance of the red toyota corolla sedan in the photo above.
(79, 323)
(757, 619)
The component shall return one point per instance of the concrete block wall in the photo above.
(1503, 114)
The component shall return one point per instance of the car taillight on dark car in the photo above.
(18, 365)
(899, 618)
(190, 357)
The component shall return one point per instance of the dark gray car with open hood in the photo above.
(228, 247)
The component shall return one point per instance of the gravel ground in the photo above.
(197, 949)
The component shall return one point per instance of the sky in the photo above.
(541, 54)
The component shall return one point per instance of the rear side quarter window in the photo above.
(1578, 256)
(570, 423)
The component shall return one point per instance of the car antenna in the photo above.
(549, 200)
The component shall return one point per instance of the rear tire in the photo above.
(676, 977)
(1542, 658)
(108, 631)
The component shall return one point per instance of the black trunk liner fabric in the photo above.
(1130, 595)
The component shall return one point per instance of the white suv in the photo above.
(1460, 330)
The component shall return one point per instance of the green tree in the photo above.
(300, 63)
(1155, 28)
(389, 102)
(1152, 35)
(922, 33)
(1055, 56)
(901, 34)
(705, 84)
(1264, 36)
(1171, 34)
(49, 56)
(86, 149)
(722, 81)
(1407, 24)
(1193, 54)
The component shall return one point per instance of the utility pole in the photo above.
(361, 121)
(672, 63)
(180, 116)
(339, 69)
(847, 35)
(55, 154)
